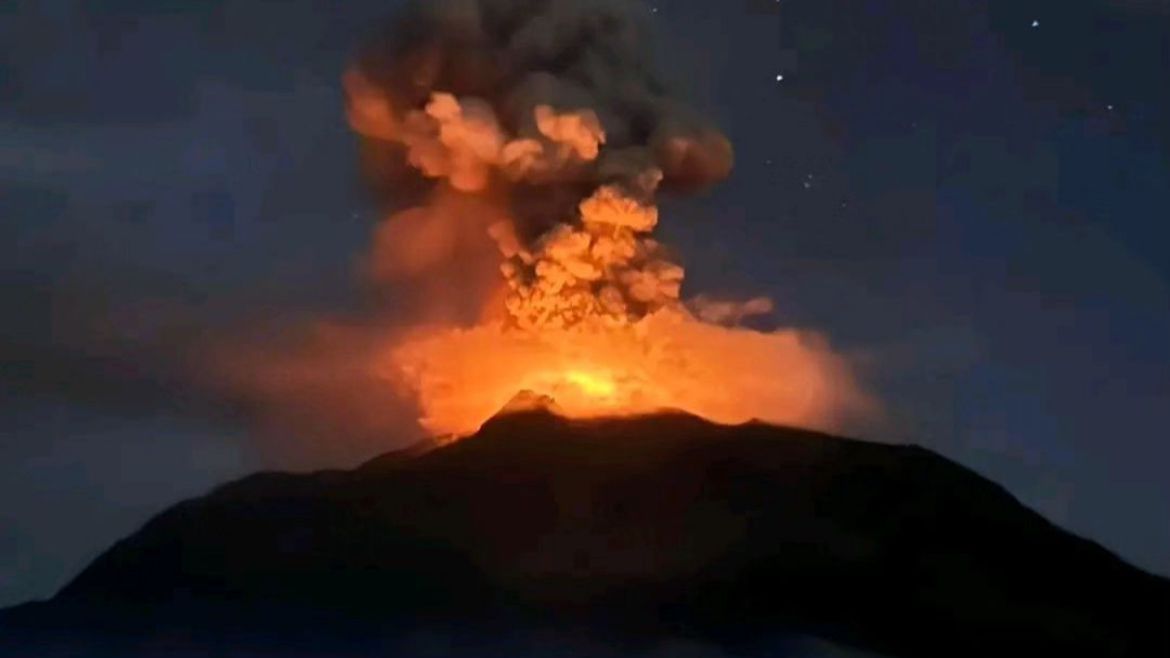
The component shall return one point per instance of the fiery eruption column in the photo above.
(538, 127)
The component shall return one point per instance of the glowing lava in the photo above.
(597, 386)
(667, 360)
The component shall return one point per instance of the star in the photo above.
(779, 77)
(1035, 23)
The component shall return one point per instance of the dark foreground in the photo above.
(662, 535)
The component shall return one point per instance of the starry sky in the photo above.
(968, 197)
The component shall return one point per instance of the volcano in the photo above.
(613, 533)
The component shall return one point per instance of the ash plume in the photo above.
(519, 147)
(522, 94)
(552, 110)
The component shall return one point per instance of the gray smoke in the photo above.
(504, 59)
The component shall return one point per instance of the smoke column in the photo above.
(519, 147)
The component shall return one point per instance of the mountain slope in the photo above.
(627, 529)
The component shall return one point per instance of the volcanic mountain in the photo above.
(612, 533)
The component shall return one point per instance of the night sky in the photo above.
(968, 197)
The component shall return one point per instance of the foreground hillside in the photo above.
(615, 533)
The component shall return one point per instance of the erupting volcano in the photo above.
(639, 470)
(534, 138)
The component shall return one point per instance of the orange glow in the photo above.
(517, 253)
(590, 312)
(597, 386)
(667, 360)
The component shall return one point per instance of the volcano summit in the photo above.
(616, 533)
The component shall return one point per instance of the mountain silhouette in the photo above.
(615, 533)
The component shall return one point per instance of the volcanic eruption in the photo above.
(521, 146)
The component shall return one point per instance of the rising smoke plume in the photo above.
(530, 89)
(519, 147)
(549, 107)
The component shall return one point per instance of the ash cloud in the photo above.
(536, 80)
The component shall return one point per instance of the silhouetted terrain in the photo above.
(607, 534)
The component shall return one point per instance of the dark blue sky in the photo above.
(973, 206)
